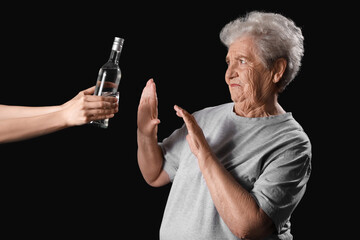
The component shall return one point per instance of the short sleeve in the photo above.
(282, 184)
(172, 148)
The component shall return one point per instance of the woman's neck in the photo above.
(251, 110)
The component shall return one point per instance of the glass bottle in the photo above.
(109, 77)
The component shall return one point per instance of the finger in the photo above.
(183, 114)
(99, 117)
(89, 91)
(145, 91)
(187, 117)
(179, 111)
(100, 112)
(149, 91)
(153, 89)
(93, 98)
(148, 101)
(101, 105)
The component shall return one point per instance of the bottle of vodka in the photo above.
(109, 77)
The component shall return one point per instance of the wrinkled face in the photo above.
(248, 79)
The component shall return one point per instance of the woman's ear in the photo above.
(279, 69)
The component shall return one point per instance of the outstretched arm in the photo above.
(235, 205)
(19, 123)
(150, 157)
(11, 112)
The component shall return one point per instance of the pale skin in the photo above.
(253, 90)
(20, 122)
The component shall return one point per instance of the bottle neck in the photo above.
(114, 57)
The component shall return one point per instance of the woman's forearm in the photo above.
(235, 205)
(11, 112)
(27, 127)
(150, 160)
(19, 123)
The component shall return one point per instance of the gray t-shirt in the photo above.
(269, 156)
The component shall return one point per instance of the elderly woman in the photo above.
(238, 170)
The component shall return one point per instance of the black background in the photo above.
(84, 181)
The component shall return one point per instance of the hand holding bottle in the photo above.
(22, 122)
(86, 107)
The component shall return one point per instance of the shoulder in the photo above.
(291, 145)
(298, 136)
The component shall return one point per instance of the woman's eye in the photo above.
(242, 61)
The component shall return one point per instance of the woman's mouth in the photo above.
(234, 85)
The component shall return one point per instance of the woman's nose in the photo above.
(230, 72)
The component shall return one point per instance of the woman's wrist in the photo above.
(146, 138)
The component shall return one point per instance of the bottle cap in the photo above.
(118, 43)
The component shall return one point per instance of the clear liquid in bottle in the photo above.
(109, 78)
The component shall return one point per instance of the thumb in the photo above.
(89, 91)
(155, 121)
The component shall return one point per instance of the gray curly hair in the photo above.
(275, 37)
